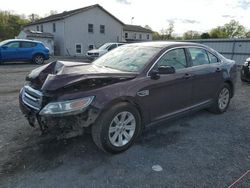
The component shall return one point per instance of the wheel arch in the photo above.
(230, 83)
(37, 53)
(130, 100)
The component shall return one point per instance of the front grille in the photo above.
(32, 97)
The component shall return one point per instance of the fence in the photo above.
(236, 49)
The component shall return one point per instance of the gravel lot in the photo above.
(200, 150)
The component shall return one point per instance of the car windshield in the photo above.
(128, 58)
(4, 42)
(104, 46)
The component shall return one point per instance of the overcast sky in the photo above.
(199, 15)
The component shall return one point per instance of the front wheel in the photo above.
(222, 101)
(117, 128)
(38, 59)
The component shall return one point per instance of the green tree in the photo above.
(218, 32)
(205, 36)
(156, 36)
(191, 35)
(10, 25)
(233, 29)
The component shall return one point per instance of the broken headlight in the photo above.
(67, 107)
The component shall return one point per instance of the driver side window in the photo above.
(175, 58)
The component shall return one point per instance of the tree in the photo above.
(156, 36)
(170, 30)
(191, 35)
(205, 36)
(248, 34)
(233, 29)
(166, 34)
(218, 32)
(10, 25)
(33, 17)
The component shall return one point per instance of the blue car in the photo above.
(23, 50)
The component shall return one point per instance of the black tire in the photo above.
(215, 108)
(38, 59)
(100, 130)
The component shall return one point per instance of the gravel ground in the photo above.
(199, 150)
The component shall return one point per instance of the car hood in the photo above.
(61, 75)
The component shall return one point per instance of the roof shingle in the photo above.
(136, 28)
(66, 14)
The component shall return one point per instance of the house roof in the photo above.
(66, 14)
(39, 34)
(136, 28)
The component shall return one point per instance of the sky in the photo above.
(197, 15)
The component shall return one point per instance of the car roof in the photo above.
(164, 44)
(22, 40)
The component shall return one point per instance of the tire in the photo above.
(108, 132)
(222, 100)
(38, 59)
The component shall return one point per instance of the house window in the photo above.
(135, 36)
(37, 27)
(54, 27)
(91, 46)
(126, 35)
(102, 29)
(140, 37)
(91, 28)
(148, 36)
(41, 28)
(78, 48)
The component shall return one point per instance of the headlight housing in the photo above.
(69, 107)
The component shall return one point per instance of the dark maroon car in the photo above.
(126, 89)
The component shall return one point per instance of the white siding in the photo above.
(131, 35)
(58, 35)
(76, 30)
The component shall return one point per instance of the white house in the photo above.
(136, 33)
(77, 31)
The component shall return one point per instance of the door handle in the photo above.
(218, 69)
(187, 76)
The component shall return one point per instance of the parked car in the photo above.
(245, 71)
(95, 53)
(126, 89)
(23, 50)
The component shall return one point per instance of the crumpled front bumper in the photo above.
(59, 124)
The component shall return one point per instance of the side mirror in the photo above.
(166, 70)
(154, 74)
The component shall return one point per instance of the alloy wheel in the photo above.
(122, 129)
(224, 97)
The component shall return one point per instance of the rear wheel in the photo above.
(38, 59)
(116, 129)
(222, 101)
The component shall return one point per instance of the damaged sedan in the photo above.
(128, 88)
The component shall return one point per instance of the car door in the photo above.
(10, 51)
(26, 49)
(207, 74)
(170, 93)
